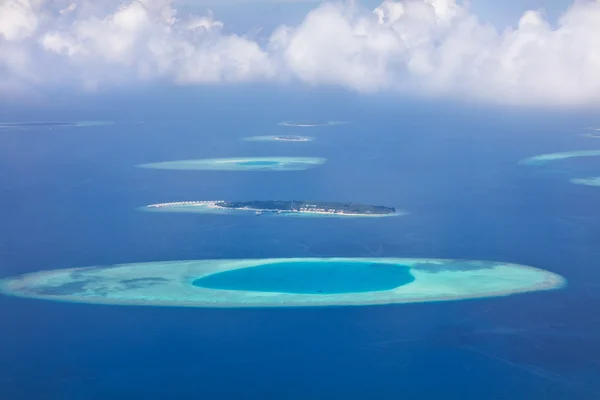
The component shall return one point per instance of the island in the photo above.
(282, 282)
(278, 207)
(282, 138)
(240, 164)
(315, 207)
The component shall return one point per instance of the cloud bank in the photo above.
(424, 47)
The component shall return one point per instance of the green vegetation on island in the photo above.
(307, 206)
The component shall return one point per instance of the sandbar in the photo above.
(278, 138)
(199, 283)
(240, 164)
(546, 158)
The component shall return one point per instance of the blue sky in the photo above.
(251, 13)
(507, 12)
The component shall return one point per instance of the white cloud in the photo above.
(431, 47)
(437, 47)
(17, 19)
(144, 40)
(197, 3)
(68, 9)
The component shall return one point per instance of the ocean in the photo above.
(70, 196)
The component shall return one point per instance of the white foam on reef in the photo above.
(211, 207)
(546, 158)
(235, 164)
(311, 124)
(170, 283)
(279, 138)
(594, 181)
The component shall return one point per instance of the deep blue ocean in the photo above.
(69, 199)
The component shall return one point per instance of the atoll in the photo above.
(286, 282)
(51, 124)
(240, 164)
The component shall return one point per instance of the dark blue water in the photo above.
(69, 199)
(311, 277)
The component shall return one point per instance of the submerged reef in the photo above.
(592, 135)
(547, 158)
(51, 124)
(593, 181)
(311, 124)
(240, 164)
(277, 207)
(284, 282)
(595, 133)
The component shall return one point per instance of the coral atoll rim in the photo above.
(355, 281)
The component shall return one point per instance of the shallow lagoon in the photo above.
(312, 277)
(279, 138)
(311, 124)
(258, 163)
(328, 282)
(240, 164)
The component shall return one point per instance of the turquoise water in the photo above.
(258, 163)
(318, 277)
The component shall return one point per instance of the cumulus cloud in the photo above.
(17, 19)
(145, 40)
(426, 47)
